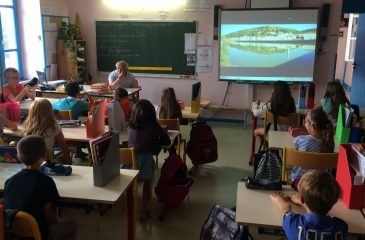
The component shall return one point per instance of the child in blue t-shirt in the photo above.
(319, 139)
(74, 101)
(318, 192)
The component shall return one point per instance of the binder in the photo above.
(116, 118)
(108, 167)
(342, 132)
(95, 123)
(353, 196)
(195, 97)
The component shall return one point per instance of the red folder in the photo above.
(95, 124)
(353, 196)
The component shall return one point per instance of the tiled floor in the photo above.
(213, 183)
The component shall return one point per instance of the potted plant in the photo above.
(68, 32)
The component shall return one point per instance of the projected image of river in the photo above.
(248, 54)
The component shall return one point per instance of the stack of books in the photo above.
(99, 88)
(99, 147)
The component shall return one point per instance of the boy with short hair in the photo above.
(318, 192)
(14, 91)
(121, 95)
(34, 192)
(73, 102)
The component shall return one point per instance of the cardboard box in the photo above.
(353, 196)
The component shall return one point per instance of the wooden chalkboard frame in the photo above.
(153, 48)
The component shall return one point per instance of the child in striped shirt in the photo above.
(319, 139)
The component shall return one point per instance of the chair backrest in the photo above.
(172, 124)
(309, 160)
(293, 119)
(63, 114)
(127, 156)
(25, 225)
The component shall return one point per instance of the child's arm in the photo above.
(18, 97)
(60, 141)
(9, 124)
(31, 92)
(89, 98)
(282, 202)
(50, 213)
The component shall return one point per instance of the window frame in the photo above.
(17, 49)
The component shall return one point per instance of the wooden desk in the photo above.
(55, 94)
(255, 208)
(186, 113)
(79, 188)
(78, 134)
(281, 139)
(26, 103)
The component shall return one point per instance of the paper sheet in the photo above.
(205, 59)
(190, 43)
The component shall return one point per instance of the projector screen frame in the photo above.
(316, 45)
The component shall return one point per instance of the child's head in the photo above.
(120, 93)
(318, 125)
(282, 103)
(40, 118)
(319, 191)
(143, 112)
(335, 92)
(169, 107)
(12, 75)
(72, 89)
(31, 150)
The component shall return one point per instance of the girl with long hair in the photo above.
(41, 122)
(333, 98)
(169, 108)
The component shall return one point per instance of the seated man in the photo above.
(73, 102)
(121, 77)
(15, 91)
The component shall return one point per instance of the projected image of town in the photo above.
(268, 51)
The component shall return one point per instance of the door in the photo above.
(357, 94)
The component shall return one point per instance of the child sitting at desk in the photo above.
(319, 139)
(15, 91)
(281, 103)
(41, 122)
(146, 136)
(34, 192)
(121, 96)
(73, 102)
(318, 192)
(169, 107)
(333, 98)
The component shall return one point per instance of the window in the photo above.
(351, 37)
(9, 47)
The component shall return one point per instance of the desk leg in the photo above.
(253, 141)
(130, 213)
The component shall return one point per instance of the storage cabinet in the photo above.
(71, 59)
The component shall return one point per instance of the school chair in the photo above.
(307, 160)
(63, 114)
(174, 124)
(24, 225)
(293, 119)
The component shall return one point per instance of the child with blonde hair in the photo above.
(41, 122)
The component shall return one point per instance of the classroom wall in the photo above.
(239, 95)
(54, 7)
(30, 38)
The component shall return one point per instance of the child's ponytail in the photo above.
(328, 144)
(324, 127)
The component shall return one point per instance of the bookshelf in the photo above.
(72, 61)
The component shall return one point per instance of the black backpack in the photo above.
(202, 146)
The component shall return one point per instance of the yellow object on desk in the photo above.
(60, 89)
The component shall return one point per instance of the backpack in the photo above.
(173, 185)
(221, 225)
(269, 167)
(202, 146)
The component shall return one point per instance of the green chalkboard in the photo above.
(148, 47)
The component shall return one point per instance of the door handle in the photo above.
(354, 65)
